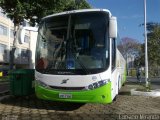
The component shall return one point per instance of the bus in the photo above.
(76, 57)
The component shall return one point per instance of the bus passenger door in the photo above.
(114, 74)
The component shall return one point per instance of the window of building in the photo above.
(17, 53)
(3, 30)
(26, 39)
(24, 53)
(11, 33)
(2, 48)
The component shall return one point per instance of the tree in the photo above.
(140, 59)
(41, 8)
(154, 43)
(153, 36)
(128, 47)
(153, 48)
(18, 10)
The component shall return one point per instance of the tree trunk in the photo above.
(13, 49)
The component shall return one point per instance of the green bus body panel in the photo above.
(125, 75)
(98, 95)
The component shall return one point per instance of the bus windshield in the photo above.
(73, 44)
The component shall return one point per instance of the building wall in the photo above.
(23, 56)
(33, 39)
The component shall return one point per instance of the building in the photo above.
(24, 54)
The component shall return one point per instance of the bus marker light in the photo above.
(95, 85)
(43, 84)
(90, 87)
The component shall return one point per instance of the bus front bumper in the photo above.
(98, 95)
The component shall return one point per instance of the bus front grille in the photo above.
(67, 88)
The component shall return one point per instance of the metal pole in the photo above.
(146, 49)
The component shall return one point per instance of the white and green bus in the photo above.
(77, 59)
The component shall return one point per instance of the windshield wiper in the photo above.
(85, 70)
(82, 65)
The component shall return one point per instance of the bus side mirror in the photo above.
(113, 27)
(21, 33)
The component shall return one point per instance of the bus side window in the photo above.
(113, 54)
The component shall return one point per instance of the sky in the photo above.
(130, 14)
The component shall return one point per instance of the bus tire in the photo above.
(123, 84)
(115, 98)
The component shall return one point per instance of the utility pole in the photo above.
(146, 49)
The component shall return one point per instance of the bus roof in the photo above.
(77, 11)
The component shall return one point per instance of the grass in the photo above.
(144, 90)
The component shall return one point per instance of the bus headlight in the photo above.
(97, 84)
(40, 83)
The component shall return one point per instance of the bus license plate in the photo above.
(65, 96)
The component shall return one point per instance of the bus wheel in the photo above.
(115, 98)
(123, 84)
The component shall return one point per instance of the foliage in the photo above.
(17, 10)
(14, 9)
(153, 47)
(45, 7)
(140, 59)
(154, 43)
(153, 36)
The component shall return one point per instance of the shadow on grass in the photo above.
(125, 93)
(33, 102)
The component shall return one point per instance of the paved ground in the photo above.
(4, 86)
(125, 107)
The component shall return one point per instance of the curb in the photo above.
(4, 97)
(152, 93)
